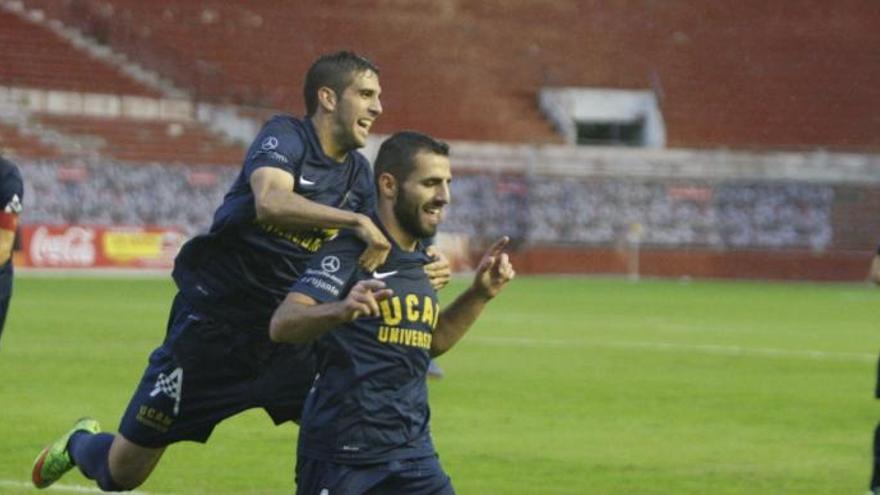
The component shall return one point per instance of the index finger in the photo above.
(499, 246)
(372, 284)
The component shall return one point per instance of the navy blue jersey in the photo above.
(11, 196)
(369, 402)
(241, 269)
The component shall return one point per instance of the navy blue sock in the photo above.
(875, 475)
(91, 453)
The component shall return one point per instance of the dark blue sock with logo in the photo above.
(91, 453)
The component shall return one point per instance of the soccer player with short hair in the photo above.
(301, 181)
(11, 194)
(365, 426)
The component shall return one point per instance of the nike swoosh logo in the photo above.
(305, 182)
(380, 276)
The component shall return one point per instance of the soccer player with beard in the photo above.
(365, 426)
(301, 181)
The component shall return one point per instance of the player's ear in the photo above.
(387, 185)
(327, 98)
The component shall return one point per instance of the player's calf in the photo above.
(132, 464)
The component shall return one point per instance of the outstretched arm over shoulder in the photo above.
(276, 203)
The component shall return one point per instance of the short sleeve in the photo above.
(279, 144)
(332, 270)
(11, 192)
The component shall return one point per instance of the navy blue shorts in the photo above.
(4, 308)
(205, 371)
(422, 476)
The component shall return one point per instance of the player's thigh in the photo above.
(130, 463)
(199, 376)
(285, 381)
(424, 476)
(314, 477)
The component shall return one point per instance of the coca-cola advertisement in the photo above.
(80, 246)
(66, 247)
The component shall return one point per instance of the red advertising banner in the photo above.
(84, 246)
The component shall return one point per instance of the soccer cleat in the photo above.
(54, 460)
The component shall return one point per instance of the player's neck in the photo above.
(404, 239)
(327, 138)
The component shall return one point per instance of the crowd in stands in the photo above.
(108, 193)
(530, 209)
(601, 211)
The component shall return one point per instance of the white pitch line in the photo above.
(730, 350)
(64, 488)
(735, 350)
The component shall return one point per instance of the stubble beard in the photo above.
(408, 216)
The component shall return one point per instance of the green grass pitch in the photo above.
(565, 386)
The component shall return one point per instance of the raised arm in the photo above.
(493, 273)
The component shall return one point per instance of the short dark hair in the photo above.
(397, 153)
(335, 71)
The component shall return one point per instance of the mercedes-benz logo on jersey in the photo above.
(270, 143)
(330, 264)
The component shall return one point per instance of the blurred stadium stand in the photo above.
(24, 145)
(36, 57)
(148, 140)
(107, 192)
(119, 112)
(731, 73)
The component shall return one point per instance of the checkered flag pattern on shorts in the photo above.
(170, 385)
